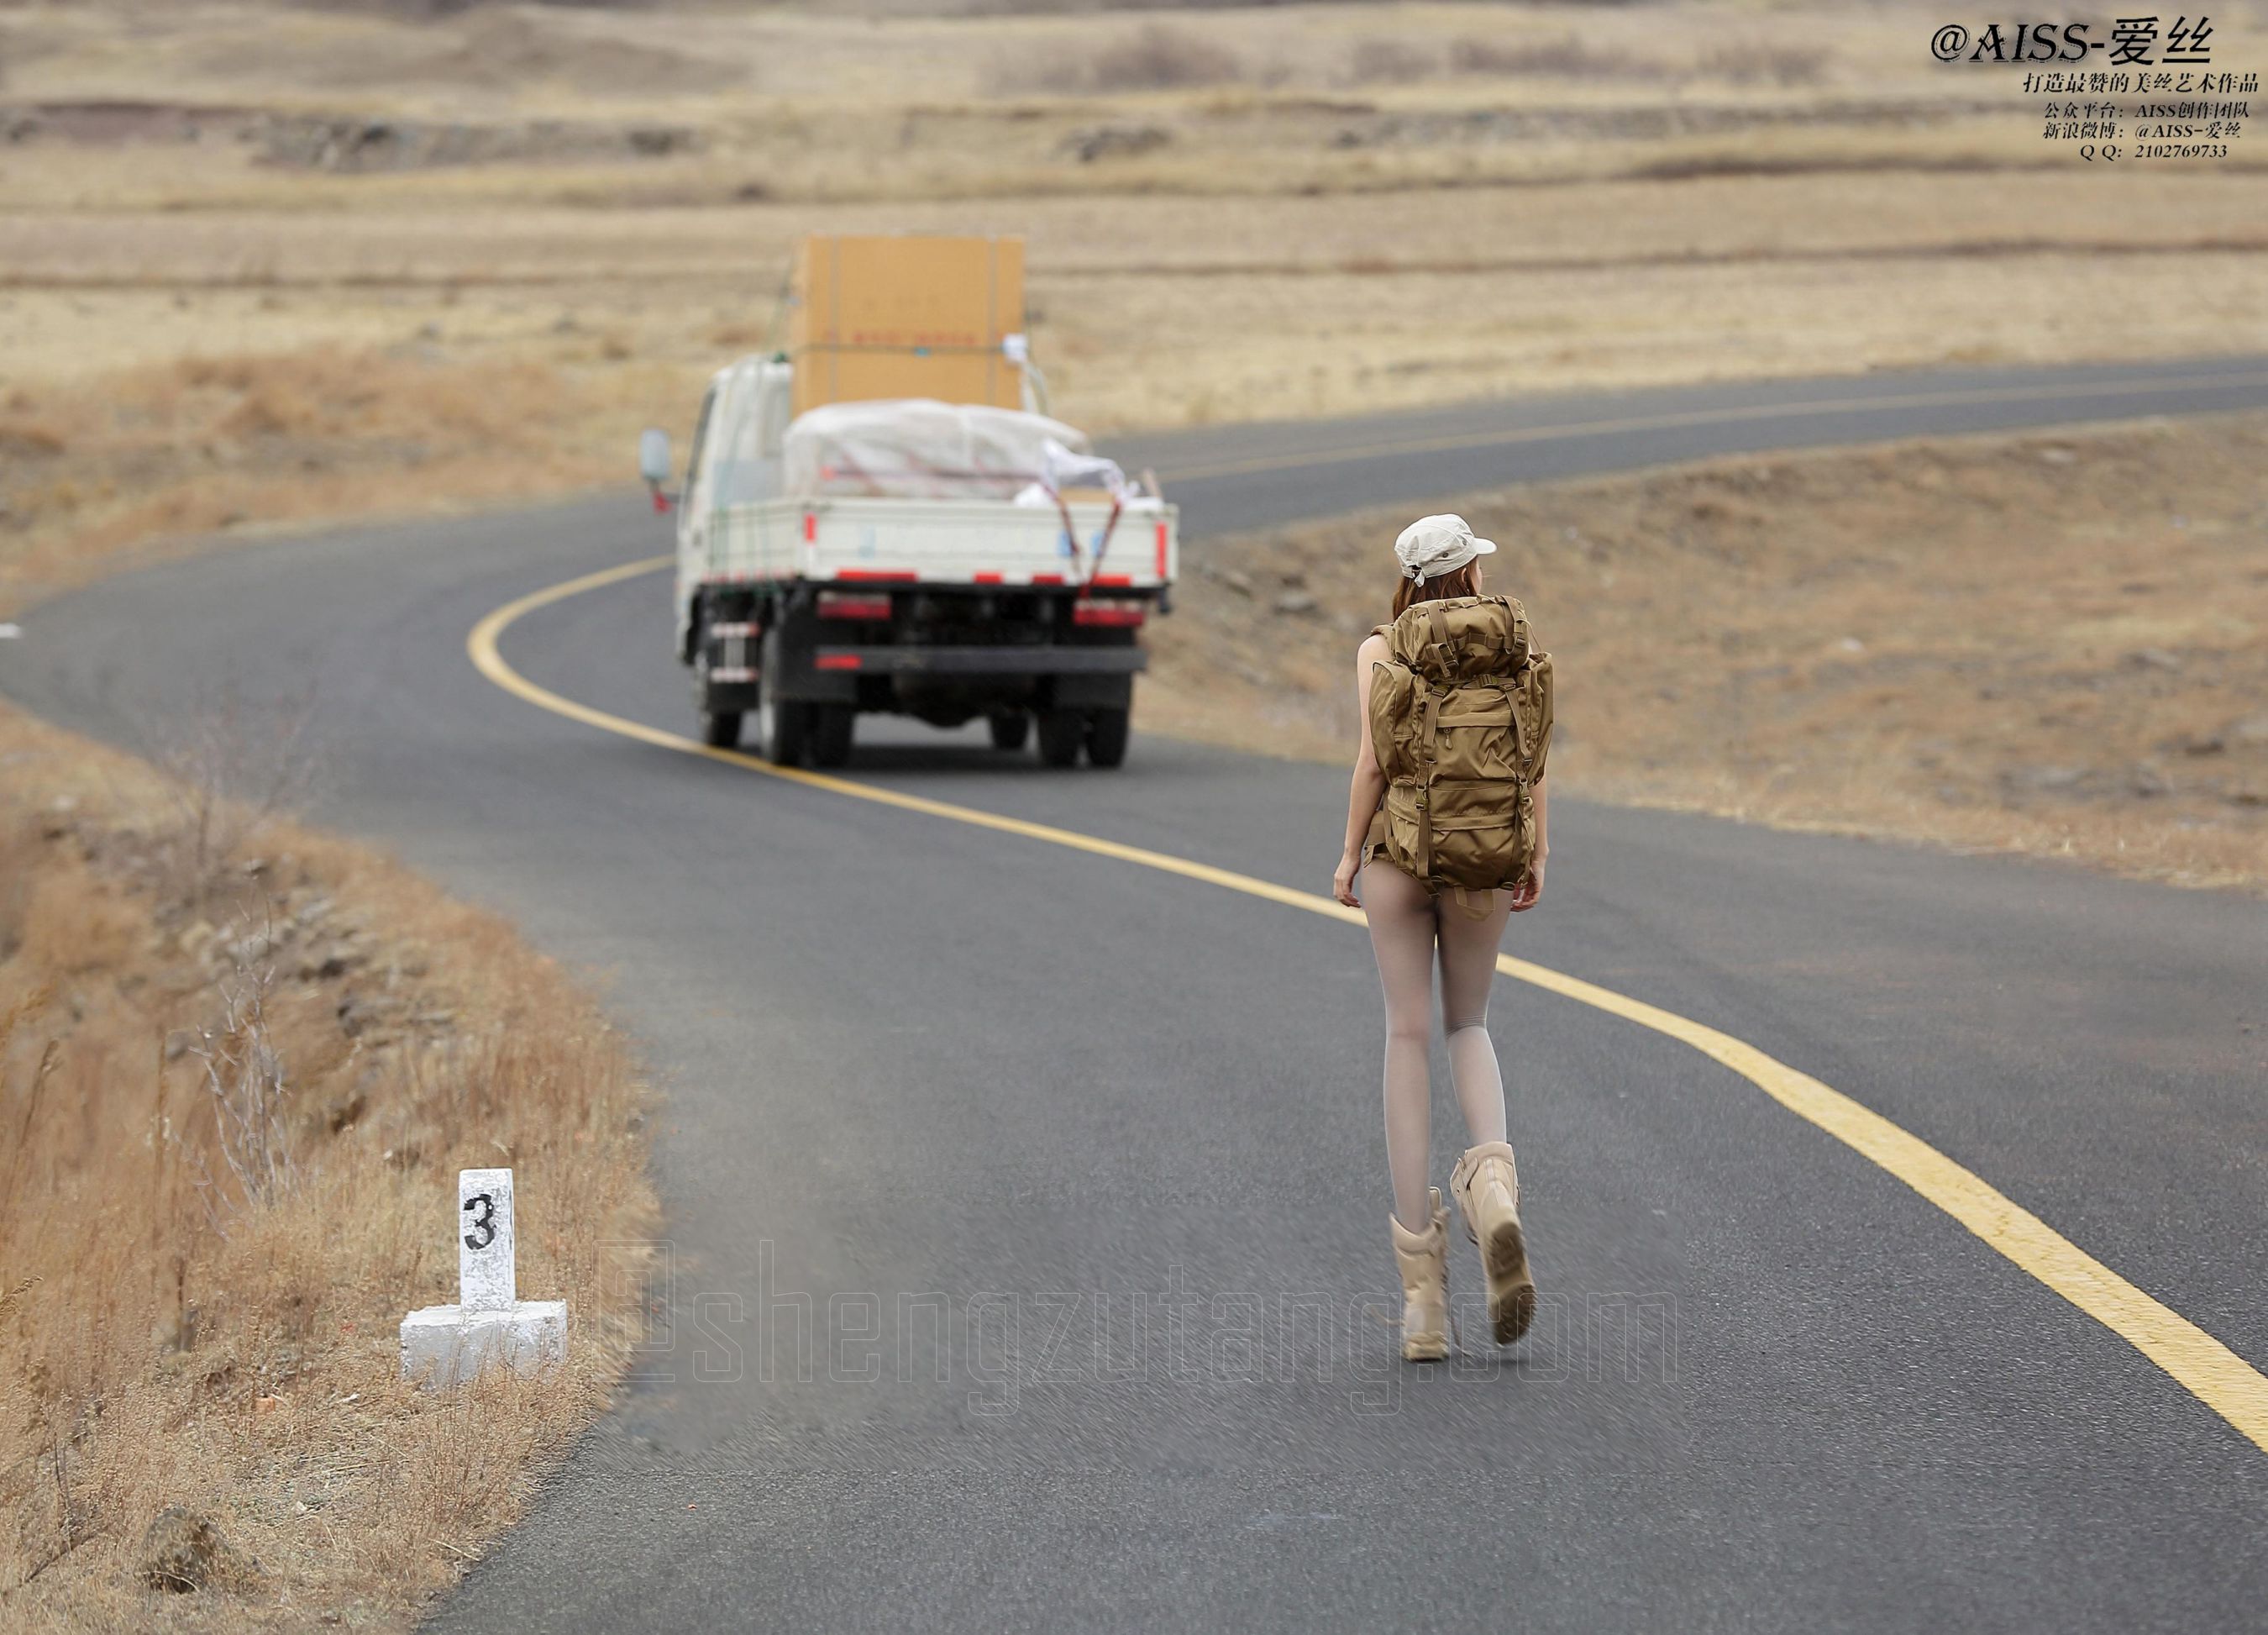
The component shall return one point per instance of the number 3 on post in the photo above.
(483, 1223)
(486, 1279)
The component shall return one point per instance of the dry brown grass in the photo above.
(1152, 56)
(147, 410)
(179, 1328)
(201, 445)
(1249, 212)
(2055, 644)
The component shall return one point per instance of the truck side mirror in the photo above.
(654, 464)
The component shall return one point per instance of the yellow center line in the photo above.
(1315, 455)
(2216, 1375)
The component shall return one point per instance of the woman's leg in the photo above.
(1485, 1182)
(1468, 950)
(1400, 917)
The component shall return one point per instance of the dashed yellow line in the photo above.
(2217, 1376)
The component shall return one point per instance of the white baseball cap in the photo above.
(1433, 546)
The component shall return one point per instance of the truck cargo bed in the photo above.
(935, 541)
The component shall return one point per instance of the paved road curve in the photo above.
(1074, 1166)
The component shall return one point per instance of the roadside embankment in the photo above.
(2055, 643)
(240, 1063)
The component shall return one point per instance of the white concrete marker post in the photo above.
(488, 1274)
(446, 1345)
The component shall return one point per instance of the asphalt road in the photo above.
(1072, 1168)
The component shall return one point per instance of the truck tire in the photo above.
(783, 727)
(1011, 729)
(1061, 733)
(720, 729)
(831, 726)
(1107, 732)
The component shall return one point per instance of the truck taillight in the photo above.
(848, 605)
(1109, 610)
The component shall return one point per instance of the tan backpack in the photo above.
(1461, 722)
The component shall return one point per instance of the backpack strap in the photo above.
(1441, 646)
(1431, 717)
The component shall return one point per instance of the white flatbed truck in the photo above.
(806, 612)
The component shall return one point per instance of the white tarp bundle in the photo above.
(916, 448)
(1060, 469)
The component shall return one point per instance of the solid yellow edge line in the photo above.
(2217, 1376)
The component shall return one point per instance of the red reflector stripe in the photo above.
(1161, 547)
(1087, 613)
(836, 661)
(877, 576)
(1113, 578)
(810, 526)
(986, 579)
(1047, 578)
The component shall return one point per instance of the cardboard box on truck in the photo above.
(906, 316)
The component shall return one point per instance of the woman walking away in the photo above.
(1445, 828)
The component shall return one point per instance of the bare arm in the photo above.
(1368, 786)
(1529, 891)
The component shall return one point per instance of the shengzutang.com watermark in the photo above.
(994, 1347)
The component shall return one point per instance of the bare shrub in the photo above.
(234, 775)
(245, 1088)
(1564, 58)
(1156, 57)
(28, 439)
(1159, 57)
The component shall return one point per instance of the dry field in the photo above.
(261, 261)
(239, 1066)
(2054, 643)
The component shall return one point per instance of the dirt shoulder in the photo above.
(2054, 643)
(240, 1063)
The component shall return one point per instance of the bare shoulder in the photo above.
(1373, 651)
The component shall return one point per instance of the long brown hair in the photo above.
(1455, 582)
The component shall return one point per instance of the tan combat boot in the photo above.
(1486, 1186)
(1424, 1260)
